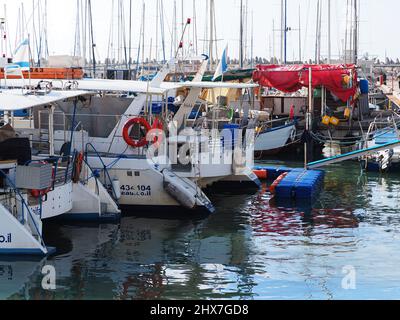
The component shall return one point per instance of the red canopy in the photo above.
(340, 80)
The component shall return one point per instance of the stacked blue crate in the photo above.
(301, 184)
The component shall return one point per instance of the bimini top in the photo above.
(208, 85)
(91, 85)
(340, 80)
(14, 100)
(128, 85)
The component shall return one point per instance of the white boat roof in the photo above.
(166, 86)
(92, 85)
(14, 100)
(130, 86)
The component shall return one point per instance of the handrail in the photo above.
(105, 168)
(24, 204)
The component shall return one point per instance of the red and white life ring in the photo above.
(126, 130)
(157, 125)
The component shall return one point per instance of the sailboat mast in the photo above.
(162, 28)
(92, 37)
(317, 44)
(285, 32)
(130, 39)
(329, 33)
(355, 31)
(143, 30)
(195, 38)
(77, 46)
(175, 37)
(241, 36)
(300, 59)
(211, 40)
(157, 24)
(282, 30)
(252, 39)
(273, 40)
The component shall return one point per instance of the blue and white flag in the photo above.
(21, 56)
(222, 66)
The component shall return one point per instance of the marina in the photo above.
(151, 164)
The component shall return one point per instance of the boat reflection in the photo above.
(16, 276)
(144, 258)
(284, 218)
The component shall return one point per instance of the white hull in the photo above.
(142, 185)
(274, 139)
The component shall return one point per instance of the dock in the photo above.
(352, 155)
(293, 184)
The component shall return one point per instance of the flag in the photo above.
(222, 66)
(21, 56)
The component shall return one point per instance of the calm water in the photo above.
(250, 249)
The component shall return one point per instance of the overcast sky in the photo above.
(378, 20)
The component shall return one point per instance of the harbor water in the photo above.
(345, 246)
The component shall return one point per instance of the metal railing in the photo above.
(16, 195)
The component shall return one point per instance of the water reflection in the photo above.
(252, 248)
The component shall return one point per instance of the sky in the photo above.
(378, 34)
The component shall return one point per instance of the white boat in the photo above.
(131, 179)
(381, 132)
(36, 188)
(274, 139)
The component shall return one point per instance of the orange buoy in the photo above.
(276, 183)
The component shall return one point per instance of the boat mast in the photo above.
(241, 36)
(211, 41)
(157, 24)
(346, 32)
(355, 32)
(162, 28)
(130, 40)
(124, 35)
(84, 10)
(175, 32)
(92, 37)
(273, 42)
(282, 30)
(317, 34)
(143, 29)
(252, 39)
(285, 32)
(46, 42)
(195, 39)
(300, 59)
(329, 33)
(77, 46)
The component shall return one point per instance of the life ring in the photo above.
(157, 125)
(128, 125)
(41, 193)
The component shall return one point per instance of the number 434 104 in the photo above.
(137, 188)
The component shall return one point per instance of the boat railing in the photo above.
(13, 196)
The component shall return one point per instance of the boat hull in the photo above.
(274, 139)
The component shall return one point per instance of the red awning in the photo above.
(340, 80)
